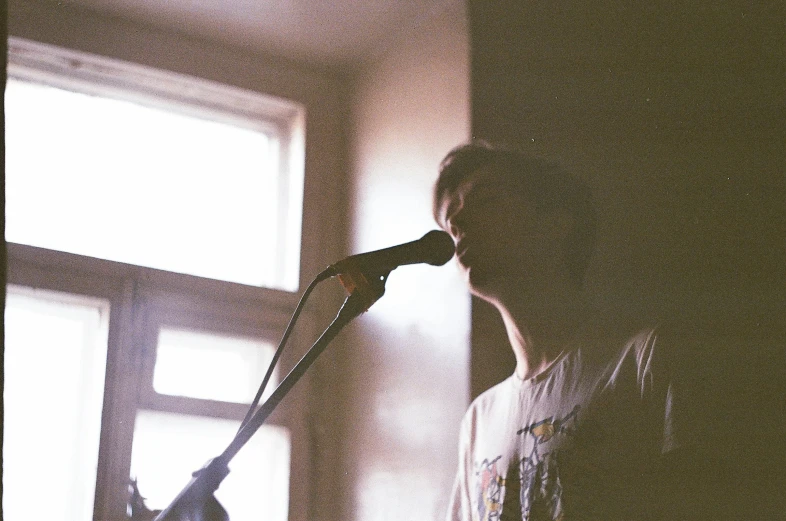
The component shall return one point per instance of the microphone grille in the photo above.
(438, 247)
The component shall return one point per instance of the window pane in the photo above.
(120, 181)
(55, 360)
(169, 447)
(211, 366)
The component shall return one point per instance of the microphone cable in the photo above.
(326, 274)
(435, 248)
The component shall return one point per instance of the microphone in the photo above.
(435, 248)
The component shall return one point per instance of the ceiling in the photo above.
(332, 34)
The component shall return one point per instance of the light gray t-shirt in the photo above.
(578, 441)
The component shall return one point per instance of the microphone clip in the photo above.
(368, 286)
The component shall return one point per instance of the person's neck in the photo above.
(541, 323)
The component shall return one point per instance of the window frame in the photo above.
(281, 119)
(160, 310)
(141, 298)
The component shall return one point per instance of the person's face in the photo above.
(501, 240)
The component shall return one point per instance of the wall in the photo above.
(82, 30)
(676, 115)
(406, 360)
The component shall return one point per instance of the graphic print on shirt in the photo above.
(490, 489)
(541, 486)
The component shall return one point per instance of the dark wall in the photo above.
(675, 113)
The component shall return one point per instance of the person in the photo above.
(578, 430)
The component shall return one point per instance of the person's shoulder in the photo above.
(490, 398)
(642, 342)
(654, 342)
(617, 331)
(617, 344)
(644, 355)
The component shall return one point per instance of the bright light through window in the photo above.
(210, 366)
(119, 181)
(113, 160)
(169, 447)
(54, 364)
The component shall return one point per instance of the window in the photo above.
(54, 365)
(153, 223)
(169, 447)
(221, 368)
(122, 163)
(193, 395)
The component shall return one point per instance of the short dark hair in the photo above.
(545, 184)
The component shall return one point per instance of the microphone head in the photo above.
(437, 247)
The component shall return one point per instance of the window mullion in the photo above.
(120, 403)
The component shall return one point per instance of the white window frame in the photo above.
(281, 119)
(141, 298)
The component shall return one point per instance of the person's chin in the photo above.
(481, 283)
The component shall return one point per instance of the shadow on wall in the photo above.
(722, 273)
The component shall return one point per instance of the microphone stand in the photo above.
(196, 501)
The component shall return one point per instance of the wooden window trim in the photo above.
(141, 299)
